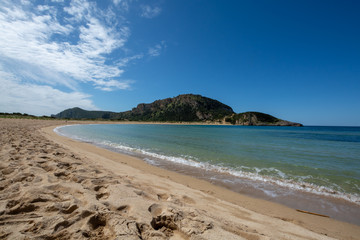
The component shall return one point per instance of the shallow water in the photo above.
(313, 168)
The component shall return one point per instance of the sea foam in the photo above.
(255, 174)
(151, 157)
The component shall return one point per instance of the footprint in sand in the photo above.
(63, 175)
(163, 196)
(8, 171)
(64, 165)
(97, 221)
(123, 209)
(170, 220)
(62, 225)
(102, 192)
(24, 177)
(22, 208)
(70, 210)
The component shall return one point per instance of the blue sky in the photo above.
(297, 60)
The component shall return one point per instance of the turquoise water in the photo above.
(317, 160)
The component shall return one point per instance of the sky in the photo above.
(296, 60)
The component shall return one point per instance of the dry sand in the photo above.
(52, 187)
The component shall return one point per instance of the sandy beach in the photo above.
(52, 187)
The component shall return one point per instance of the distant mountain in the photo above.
(78, 113)
(183, 108)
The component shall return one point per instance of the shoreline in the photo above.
(311, 199)
(272, 209)
(336, 208)
(53, 186)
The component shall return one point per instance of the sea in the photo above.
(311, 168)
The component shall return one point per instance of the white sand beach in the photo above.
(53, 187)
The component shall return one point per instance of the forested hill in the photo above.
(186, 108)
(78, 113)
(183, 108)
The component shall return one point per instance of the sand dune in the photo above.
(52, 187)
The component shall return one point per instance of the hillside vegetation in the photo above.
(258, 119)
(186, 108)
(183, 108)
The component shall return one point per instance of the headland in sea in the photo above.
(56, 187)
(187, 108)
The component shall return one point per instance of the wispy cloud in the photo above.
(57, 46)
(79, 9)
(149, 12)
(37, 99)
(124, 4)
(53, 46)
(26, 36)
(126, 61)
(156, 50)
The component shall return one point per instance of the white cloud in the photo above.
(126, 61)
(79, 9)
(49, 51)
(156, 50)
(25, 2)
(17, 96)
(43, 8)
(29, 38)
(110, 85)
(149, 12)
(124, 4)
(97, 39)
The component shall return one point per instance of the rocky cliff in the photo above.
(258, 119)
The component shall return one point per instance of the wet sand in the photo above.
(333, 207)
(52, 187)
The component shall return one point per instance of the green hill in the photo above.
(187, 107)
(183, 108)
(78, 113)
